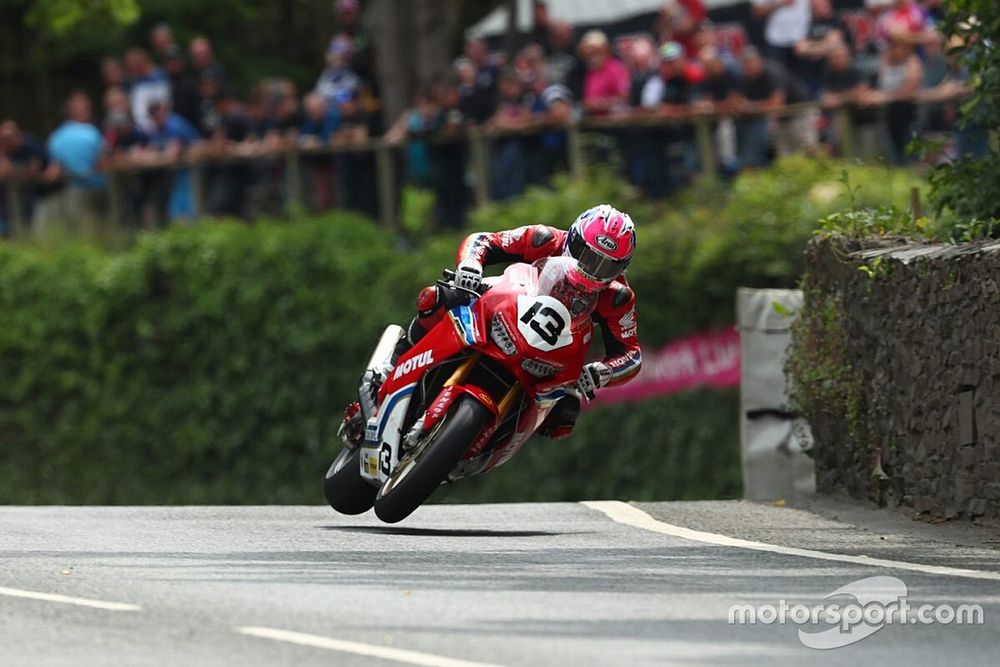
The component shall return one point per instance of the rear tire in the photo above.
(414, 481)
(346, 490)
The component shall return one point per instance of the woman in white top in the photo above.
(899, 77)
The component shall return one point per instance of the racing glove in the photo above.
(469, 274)
(594, 376)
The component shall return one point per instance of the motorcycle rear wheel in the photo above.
(346, 490)
(420, 471)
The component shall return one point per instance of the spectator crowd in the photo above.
(167, 108)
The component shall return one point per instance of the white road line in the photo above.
(371, 650)
(65, 599)
(635, 517)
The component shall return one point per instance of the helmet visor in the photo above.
(593, 264)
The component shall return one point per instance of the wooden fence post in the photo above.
(845, 130)
(115, 203)
(197, 170)
(15, 212)
(293, 182)
(706, 151)
(479, 150)
(574, 150)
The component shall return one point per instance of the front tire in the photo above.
(346, 490)
(421, 471)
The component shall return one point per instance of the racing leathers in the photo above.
(614, 310)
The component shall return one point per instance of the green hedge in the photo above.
(209, 364)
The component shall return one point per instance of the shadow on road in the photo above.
(442, 532)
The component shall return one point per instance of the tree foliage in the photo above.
(969, 188)
(59, 17)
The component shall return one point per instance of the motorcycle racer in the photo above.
(602, 239)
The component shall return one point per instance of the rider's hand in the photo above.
(469, 274)
(594, 376)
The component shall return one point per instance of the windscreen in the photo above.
(554, 280)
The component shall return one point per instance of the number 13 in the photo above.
(544, 321)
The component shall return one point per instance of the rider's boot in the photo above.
(560, 422)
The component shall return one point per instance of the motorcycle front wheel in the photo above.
(422, 469)
(346, 490)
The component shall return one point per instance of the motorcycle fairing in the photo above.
(512, 298)
(441, 343)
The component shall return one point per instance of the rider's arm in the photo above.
(516, 245)
(615, 314)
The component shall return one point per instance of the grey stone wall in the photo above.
(916, 332)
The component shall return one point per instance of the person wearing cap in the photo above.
(338, 84)
(606, 82)
(681, 79)
(347, 17)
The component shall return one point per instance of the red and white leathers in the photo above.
(611, 304)
(614, 311)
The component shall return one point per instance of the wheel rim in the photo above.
(410, 460)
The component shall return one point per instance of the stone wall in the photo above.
(897, 358)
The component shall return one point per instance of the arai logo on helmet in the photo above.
(607, 243)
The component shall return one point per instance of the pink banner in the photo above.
(709, 358)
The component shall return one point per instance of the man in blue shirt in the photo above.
(172, 135)
(76, 149)
(77, 146)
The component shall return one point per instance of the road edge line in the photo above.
(66, 599)
(357, 648)
(630, 515)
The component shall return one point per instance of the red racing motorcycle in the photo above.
(467, 396)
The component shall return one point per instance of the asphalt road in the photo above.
(531, 584)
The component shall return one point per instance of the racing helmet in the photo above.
(602, 240)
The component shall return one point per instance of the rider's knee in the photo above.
(428, 301)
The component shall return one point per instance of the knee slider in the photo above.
(427, 301)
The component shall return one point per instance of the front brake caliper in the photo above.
(352, 429)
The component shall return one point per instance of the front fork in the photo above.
(351, 431)
(453, 388)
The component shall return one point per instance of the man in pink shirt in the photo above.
(606, 82)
